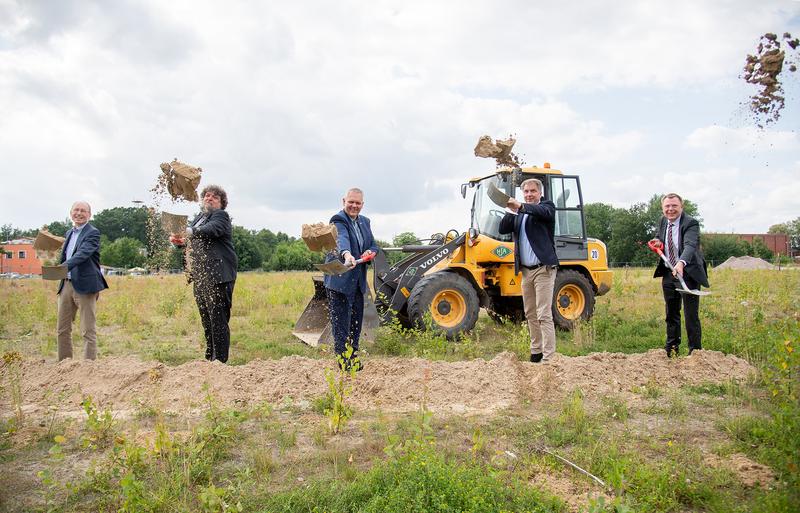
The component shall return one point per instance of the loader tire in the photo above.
(448, 299)
(573, 299)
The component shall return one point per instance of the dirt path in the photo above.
(388, 384)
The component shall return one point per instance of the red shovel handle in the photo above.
(656, 246)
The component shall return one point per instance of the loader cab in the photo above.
(563, 190)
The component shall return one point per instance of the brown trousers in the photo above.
(69, 302)
(537, 298)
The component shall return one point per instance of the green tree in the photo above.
(718, 247)
(292, 256)
(790, 228)
(124, 252)
(120, 222)
(8, 232)
(630, 231)
(245, 243)
(599, 217)
(59, 227)
(759, 249)
(267, 241)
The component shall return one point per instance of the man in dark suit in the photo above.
(212, 262)
(532, 227)
(81, 289)
(680, 235)
(346, 291)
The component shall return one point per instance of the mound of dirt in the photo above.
(746, 263)
(387, 384)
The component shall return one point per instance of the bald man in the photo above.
(80, 290)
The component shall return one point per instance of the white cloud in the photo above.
(287, 104)
(718, 140)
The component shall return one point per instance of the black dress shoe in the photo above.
(672, 351)
(536, 357)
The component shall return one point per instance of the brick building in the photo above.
(778, 243)
(18, 256)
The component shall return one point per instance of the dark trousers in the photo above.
(691, 310)
(214, 301)
(347, 314)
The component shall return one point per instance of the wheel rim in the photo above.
(571, 302)
(448, 308)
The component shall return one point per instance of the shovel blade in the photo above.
(334, 267)
(693, 292)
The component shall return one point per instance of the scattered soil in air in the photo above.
(764, 70)
(500, 150)
(177, 181)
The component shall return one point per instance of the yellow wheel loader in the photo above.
(443, 285)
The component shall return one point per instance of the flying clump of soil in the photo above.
(500, 150)
(764, 71)
(177, 181)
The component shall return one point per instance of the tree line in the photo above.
(627, 230)
(125, 242)
(132, 237)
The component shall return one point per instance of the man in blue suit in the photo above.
(532, 226)
(346, 291)
(81, 289)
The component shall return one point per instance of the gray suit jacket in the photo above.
(688, 249)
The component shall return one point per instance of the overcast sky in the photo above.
(287, 104)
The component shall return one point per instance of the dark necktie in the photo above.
(673, 257)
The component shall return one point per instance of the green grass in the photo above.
(281, 457)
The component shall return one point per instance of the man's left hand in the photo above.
(678, 269)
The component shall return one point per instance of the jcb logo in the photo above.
(501, 251)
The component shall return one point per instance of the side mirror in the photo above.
(463, 190)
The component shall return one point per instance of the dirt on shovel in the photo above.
(319, 236)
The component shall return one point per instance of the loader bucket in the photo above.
(314, 327)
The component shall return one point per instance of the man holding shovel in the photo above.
(346, 291)
(679, 235)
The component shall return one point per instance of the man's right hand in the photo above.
(513, 205)
(349, 260)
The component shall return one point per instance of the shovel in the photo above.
(336, 267)
(658, 247)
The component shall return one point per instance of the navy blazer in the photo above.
(356, 279)
(688, 249)
(212, 248)
(84, 265)
(540, 229)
